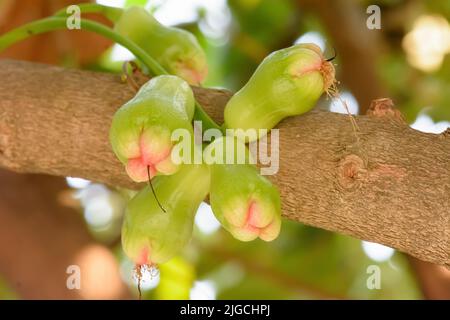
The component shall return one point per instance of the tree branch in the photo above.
(391, 185)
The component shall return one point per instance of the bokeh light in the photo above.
(100, 277)
(377, 252)
(336, 104)
(100, 204)
(77, 183)
(205, 220)
(119, 53)
(203, 290)
(428, 42)
(312, 37)
(112, 3)
(424, 123)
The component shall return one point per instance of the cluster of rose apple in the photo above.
(159, 219)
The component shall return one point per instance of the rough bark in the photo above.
(386, 183)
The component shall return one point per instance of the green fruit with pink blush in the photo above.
(247, 204)
(153, 236)
(288, 82)
(177, 50)
(141, 129)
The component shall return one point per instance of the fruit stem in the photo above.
(150, 184)
(57, 23)
(207, 122)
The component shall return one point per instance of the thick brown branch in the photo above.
(391, 187)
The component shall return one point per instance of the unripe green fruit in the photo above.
(152, 236)
(140, 133)
(246, 203)
(288, 82)
(177, 50)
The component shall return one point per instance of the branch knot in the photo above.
(351, 171)
(385, 108)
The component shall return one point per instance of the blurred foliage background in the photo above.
(407, 60)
